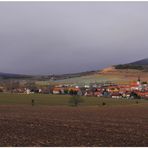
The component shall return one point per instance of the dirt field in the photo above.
(24, 125)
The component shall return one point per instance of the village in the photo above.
(134, 90)
(131, 90)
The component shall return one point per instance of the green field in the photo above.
(82, 80)
(57, 100)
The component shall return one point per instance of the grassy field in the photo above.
(57, 100)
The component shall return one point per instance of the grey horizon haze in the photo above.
(69, 37)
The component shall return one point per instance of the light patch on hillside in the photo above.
(108, 69)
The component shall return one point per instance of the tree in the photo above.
(65, 91)
(144, 82)
(135, 95)
(31, 85)
(71, 92)
(75, 100)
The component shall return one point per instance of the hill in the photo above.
(13, 76)
(139, 65)
(118, 73)
(140, 62)
(45, 77)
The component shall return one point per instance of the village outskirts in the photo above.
(130, 90)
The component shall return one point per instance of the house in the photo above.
(116, 95)
(1, 89)
(143, 94)
(113, 89)
(134, 86)
(28, 91)
(98, 94)
(88, 93)
(86, 86)
(124, 88)
(56, 90)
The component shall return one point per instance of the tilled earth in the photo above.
(74, 126)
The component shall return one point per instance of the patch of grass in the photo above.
(57, 100)
(39, 99)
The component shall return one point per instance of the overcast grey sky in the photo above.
(66, 37)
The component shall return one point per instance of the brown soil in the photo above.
(74, 126)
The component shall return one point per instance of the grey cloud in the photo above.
(63, 37)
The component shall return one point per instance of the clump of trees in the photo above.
(134, 95)
(73, 92)
(75, 100)
(129, 66)
(31, 85)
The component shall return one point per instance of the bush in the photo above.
(103, 103)
(137, 102)
(32, 102)
(134, 95)
(75, 100)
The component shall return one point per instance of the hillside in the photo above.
(109, 74)
(45, 77)
(139, 65)
(118, 73)
(126, 74)
(13, 76)
(140, 62)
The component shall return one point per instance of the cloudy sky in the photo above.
(67, 37)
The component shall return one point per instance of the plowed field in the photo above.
(24, 125)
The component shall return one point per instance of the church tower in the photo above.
(138, 81)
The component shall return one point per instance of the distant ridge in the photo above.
(140, 62)
(139, 65)
(45, 77)
(12, 76)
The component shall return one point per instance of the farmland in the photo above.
(58, 100)
(52, 122)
